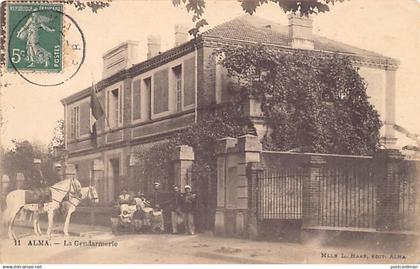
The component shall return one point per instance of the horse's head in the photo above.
(93, 195)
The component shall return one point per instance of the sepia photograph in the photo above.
(210, 132)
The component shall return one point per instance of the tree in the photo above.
(58, 136)
(304, 8)
(20, 159)
(311, 100)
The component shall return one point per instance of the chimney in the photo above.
(181, 34)
(153, 46)
(300, 32)
(123, 56)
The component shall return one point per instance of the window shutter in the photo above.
(160, 91)
(84, 118)
(189, 81)
(120, 105)
(72, 123)
(136, 100)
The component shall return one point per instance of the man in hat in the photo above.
(175, 206)
(189, 204)
(38, 180)
(156, 195)
(157, 214)
(71, 173)
(58, 174)
(38, 183)
(124, 197)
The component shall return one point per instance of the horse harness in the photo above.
(69, 192)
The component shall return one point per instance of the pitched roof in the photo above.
(256, 29)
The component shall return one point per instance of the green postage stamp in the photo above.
(35, 37)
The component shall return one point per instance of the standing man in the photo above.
(156, 196)
(176, 213)
(189, 204)
(157, 214)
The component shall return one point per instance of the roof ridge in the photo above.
(254, 28)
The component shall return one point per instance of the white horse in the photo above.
(70, 205)
(15, 201)
(89, 193)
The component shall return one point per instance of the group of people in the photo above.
(181, 205)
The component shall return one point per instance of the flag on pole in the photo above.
(96, 112)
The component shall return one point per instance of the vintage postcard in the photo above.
(207, 131)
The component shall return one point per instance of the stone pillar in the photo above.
(249, 150)
(222, 147)
(183, 159)
(233, 193)
(255, 172)
(389, 138)
(387, 169)
(311, 192)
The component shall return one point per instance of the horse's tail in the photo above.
(5, 215)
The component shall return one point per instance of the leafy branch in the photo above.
(302, 7)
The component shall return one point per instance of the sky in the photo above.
(389, 27)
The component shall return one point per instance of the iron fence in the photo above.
(347, 194)
(346, 191)
(408, 203)
(280, 194)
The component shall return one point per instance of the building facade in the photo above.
(146, 102)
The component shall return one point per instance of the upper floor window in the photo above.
(147, 95)
(136, 100)
(177, 72)
(75, 122)
(114, 107)
(161, 92)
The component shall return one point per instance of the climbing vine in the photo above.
(311, 101)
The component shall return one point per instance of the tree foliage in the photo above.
(304, 8)
(58, 136)
(20, 159)
(94, 6)
(313, 101)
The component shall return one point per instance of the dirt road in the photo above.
(104, 247)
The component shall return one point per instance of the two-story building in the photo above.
(146, 102)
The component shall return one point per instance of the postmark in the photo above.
(45, 46)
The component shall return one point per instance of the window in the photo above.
(75, 122)
(137, 100)
(147, 97)
(161, 92)
(114, 108)
(177, 71)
